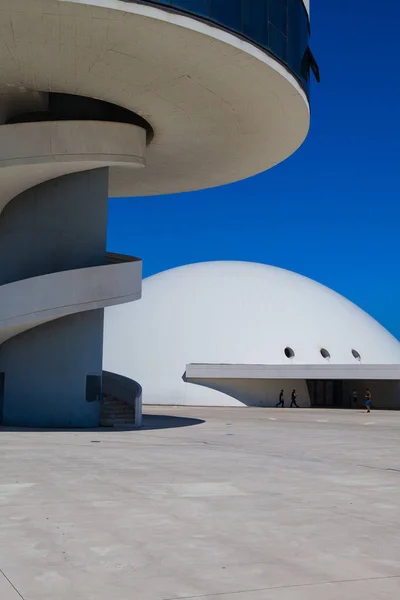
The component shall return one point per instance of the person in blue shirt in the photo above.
(368, 399)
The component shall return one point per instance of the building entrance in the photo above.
(326, 393)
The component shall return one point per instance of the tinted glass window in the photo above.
(279, 26)
(198, 7)
(227, 12)
(278, 15)
(278, 43)
(255, 21)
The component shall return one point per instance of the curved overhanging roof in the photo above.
(221, 109)
(349, 372)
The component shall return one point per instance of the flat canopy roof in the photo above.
(329, 371)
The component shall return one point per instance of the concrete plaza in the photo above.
(222, 504)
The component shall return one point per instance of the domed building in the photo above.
(237, 333)
(119, 98)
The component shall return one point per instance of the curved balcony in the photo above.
(280, 27)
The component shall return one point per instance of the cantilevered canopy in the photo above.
(350, 372)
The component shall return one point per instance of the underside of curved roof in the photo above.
(221, 109)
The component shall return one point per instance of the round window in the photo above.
(289, 353)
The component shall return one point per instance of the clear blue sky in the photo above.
(332, 211)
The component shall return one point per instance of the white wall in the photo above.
(244, 392)
(234, 313)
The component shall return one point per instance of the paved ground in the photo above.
(251, 504)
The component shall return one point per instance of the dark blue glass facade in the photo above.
(281, 27)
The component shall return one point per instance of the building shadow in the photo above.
(168, 422)
(150, 422)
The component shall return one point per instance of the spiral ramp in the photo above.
(89, 90)
(56, 277)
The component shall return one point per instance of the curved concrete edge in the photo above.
(198, 26)
(31, 153)
(126, 390)
(31, 302)
(284, 372)
(233, 114)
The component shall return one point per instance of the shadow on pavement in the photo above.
(168, 422)
(149, 422)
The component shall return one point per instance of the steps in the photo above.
(122, 401)
(114, 412)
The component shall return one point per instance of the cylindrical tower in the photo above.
(126, 98)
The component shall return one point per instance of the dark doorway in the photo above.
(2, 377)
(326, 393)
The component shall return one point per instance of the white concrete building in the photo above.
(235, 333)
(121, 98)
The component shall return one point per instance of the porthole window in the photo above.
(289, 353)
(325, 353)
(356, 354)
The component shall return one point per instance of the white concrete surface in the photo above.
(236, 313)
(249, 505)
(31, 153)
(285, 372)
(37, 300)
(243, 392)
(221, 109)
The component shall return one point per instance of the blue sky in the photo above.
(330, 212)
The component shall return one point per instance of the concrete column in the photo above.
(56, 226)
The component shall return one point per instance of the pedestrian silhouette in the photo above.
(293, 402)
(281, 400)
(368, 398)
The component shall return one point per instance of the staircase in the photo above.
(122, 401)
(114, 412)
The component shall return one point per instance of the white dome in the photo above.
(235, 313)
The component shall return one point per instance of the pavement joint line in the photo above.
(364, 519)
(12, 585)
(283, 587)
(39, 503)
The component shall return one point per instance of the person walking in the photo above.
(368, 399)
(281, 400)
(293, 402)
